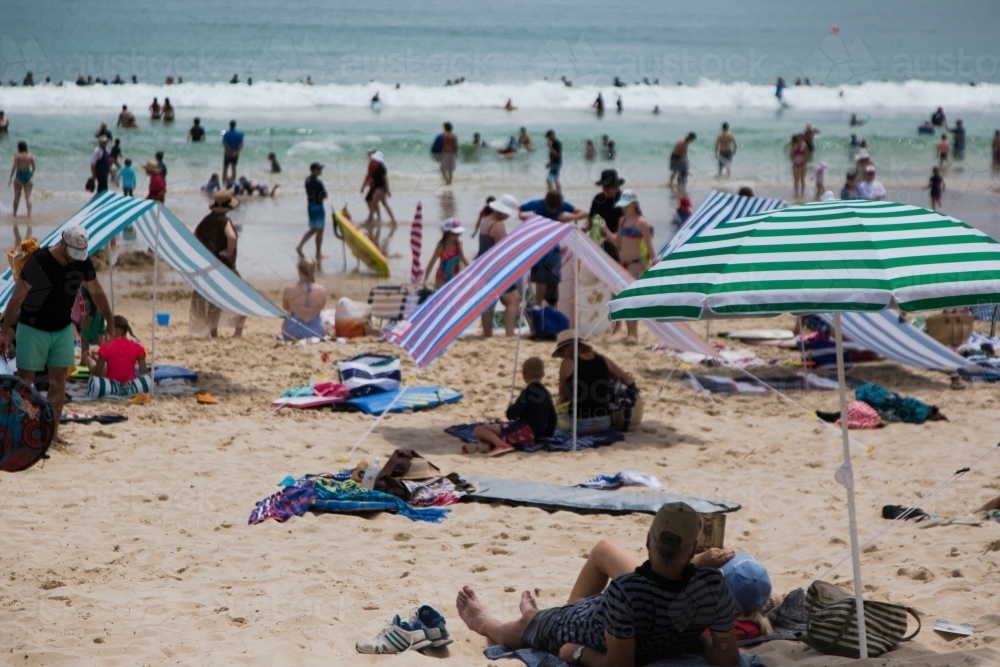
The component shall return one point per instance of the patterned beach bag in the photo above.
(832, 626)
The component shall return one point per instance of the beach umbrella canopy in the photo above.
(839, 256)
(820, 257)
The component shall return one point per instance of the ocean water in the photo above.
(891, 62)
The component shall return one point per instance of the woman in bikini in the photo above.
(155, 110)
(22, 172)
(634, 235)
(448, 254)
(491, 232)
(168, 111)
(303, 302)
(799, 154)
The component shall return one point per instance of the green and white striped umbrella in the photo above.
(820, 257)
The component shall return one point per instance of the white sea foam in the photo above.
(909, 95)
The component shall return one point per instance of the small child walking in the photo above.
(937, 187)
(684, 210)
(126, 177)
(532, 416)
(819, 175)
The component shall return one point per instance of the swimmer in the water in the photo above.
(155, 111)
(127, 119)
(524, 140)
(510, 149)
(510, 105)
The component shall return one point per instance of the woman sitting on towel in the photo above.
(597, 380)
(304, 301)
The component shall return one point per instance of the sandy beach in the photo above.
(131, 546)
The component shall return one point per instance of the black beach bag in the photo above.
(832, 626)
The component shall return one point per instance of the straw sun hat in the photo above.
(224, 201)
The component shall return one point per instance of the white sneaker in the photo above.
(397, 637)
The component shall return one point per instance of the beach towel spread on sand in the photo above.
(560, 441)
(747, 385)
(367, 374)
(551, 497)
(401, 400)
(323, 493)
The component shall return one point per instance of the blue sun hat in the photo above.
(748, 581)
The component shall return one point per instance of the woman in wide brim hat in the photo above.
(597, 374)
(217, 233)
(157, 184)
(223, 201)
(151, 167)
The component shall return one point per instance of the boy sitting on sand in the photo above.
(532, 416)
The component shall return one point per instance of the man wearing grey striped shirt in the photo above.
(661, 610)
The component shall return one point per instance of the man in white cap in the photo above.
(870, 188)
(39, 312)
(657, 612)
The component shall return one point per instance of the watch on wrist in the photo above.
(578, 653)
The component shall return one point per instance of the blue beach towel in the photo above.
(560, 441)
(166, 372)
(412, 398)
(535, 658)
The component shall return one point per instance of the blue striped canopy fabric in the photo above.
(883, 332)
(451, 309)
(718, 207)
(105, 216)
(201, 269)
(108, 213)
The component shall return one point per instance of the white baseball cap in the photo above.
(76, 242)
(629, 196)
(870, 169)
(506, 204)
(453, 225)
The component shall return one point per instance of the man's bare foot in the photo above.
(298, 251)
(471, 610)
(631, 340)
(61, 441)
(527, 602)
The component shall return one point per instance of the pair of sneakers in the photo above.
(424, 629)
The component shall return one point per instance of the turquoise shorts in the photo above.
(38, 349)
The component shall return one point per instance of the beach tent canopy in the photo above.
(108, 213)
(820, 257)
(454, 307)
(718, 207)
(883, 332)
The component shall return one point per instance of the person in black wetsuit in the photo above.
(604, 206)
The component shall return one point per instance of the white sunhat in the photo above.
(506, 204)
(629, 196)
(378, 157)
(76, 243)
(453, 226)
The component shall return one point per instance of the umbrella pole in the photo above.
(848, 483)
(993, 322)
(517, 345)
(156, 275)
(576, 345)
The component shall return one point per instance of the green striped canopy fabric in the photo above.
(820, 257)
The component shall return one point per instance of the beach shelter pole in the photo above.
(993, 322)
(111, 272)
(517, 344)
(156, 276)
(576, 344)
(846, 477)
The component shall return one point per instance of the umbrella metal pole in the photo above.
(993, 322)
(849, 484)
(156, 274)
(576, 347)
(517, 345)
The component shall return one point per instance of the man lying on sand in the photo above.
(659, 611)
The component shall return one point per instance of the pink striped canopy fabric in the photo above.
(677, 335)
(454, 307)
(416, 245)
